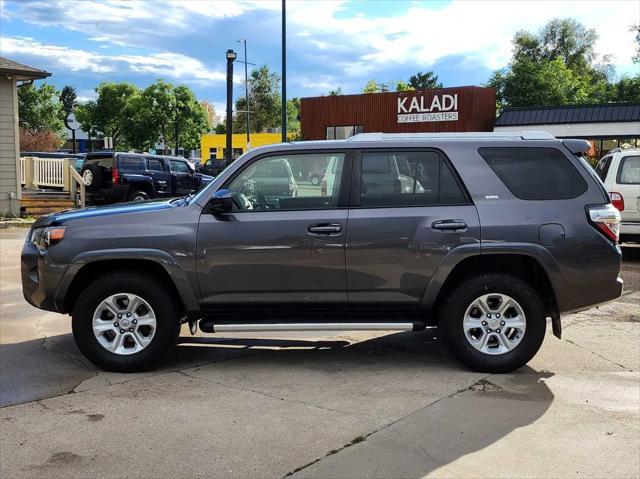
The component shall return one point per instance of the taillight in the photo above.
(115, 176)
(606, 219)
(617, 200)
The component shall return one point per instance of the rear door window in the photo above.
(179, 166)
(535, 173)
(602, 167)
(408, 178)
(629, 171)
(131, 163)
(154, 164)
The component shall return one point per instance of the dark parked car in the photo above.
(114, 177)
(505, 231)
(212, 167)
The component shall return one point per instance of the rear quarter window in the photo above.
(104, 161)
(629, 171)
(131, 163)
(535, 173)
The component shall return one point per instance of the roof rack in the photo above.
(520, 135)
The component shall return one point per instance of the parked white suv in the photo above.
(619, 170)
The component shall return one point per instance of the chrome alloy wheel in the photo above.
(494, 323)
(124, 323)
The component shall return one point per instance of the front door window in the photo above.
(279, 183)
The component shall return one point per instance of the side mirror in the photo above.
(221, 202)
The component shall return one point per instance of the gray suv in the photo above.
(483, 235)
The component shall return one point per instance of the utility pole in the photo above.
(284, 71)
(246, 89)
(231, 56)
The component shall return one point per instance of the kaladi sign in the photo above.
(418, 109)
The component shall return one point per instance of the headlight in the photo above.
(45, 237)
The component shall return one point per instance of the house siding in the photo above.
(9, 147)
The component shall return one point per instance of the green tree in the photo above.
(189, 119)
(335, 92)
(159, 102)
(556, 66)
(403, 86)
(264, 105)
(110, 112)
(424, 81)
(68, 99)
(636, 55)
(293, 116)
(39, 109)
(373, 86)
(627, 89)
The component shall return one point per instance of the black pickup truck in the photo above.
(114, 177)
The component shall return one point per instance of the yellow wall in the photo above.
(238, 140)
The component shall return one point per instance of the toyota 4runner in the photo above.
(483, 235)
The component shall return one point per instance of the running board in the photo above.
(211, 327)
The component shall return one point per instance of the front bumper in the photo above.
(40, 278)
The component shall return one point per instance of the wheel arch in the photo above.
(159, 264)
(523, 261)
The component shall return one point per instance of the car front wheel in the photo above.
(493, 323)
(125, 322)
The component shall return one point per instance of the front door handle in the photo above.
(325, 229)
(449, 225)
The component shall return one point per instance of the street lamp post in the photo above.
(284, 71)
(246, 88)
(231, 56)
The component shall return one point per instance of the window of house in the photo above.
(343, 132)
(270, 184)
(535, 173)
(408, 179)
(212, 153)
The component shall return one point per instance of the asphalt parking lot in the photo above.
(319, 405)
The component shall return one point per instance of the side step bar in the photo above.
(211, 327)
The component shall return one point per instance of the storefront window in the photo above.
(609, 144)
(343, 132)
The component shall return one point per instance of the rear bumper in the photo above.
(109, 195)
(630, 228)
(40, 278)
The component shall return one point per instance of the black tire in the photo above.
(460, 298)
(137, 195)
(154, 293)
(92, 182)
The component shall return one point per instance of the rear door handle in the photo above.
(449, 225)
(325, 229)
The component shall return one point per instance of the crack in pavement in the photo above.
(262, 393)
(360, 439)
(599, 355)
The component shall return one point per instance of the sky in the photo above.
(330, 44)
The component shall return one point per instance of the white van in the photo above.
(619, 170)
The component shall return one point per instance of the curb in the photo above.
(16, 224)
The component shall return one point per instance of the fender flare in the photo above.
(165, 260)
(544, 258)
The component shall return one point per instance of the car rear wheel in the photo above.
(138, 196)
(493, 323)
(125, 322)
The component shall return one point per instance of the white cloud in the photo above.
(132, 22)
(479, 31)
(165, 64)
